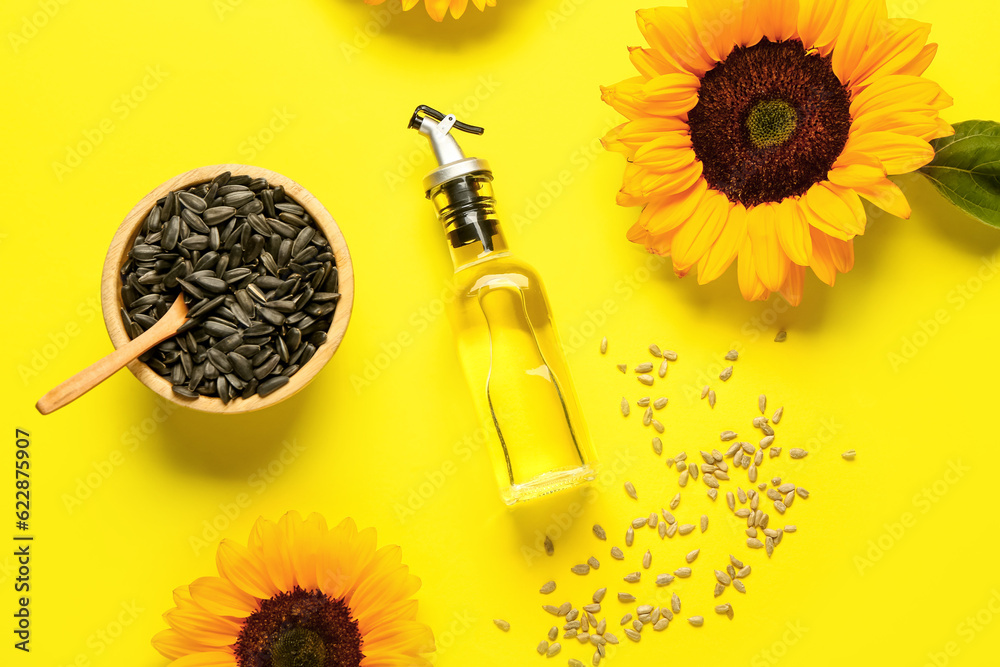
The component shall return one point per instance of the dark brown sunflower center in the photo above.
(770, 121)
(300, 629)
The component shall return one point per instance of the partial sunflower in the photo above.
(438, 8)
(755, 127)
(299, 594)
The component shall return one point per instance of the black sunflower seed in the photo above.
(184, 391)
(265, 367)
(192, 201)
(241, 366)
(194, 221)
(218, 214)
(219, 359)
(272, 384)
(211, 283)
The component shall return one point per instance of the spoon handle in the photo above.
(93, 375)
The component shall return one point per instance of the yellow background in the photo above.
(387, 450)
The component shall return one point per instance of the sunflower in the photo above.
(755, 128)
(299, 594)
(438, 8)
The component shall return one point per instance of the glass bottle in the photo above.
(508, 346)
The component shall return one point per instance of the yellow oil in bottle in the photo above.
(513, 362)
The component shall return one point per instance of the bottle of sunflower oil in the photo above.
(508, 346)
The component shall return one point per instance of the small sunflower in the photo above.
(756, 127)
(299, 595)
(438, 8)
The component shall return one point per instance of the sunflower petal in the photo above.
(860, 27)
(395, 660)
(437, 8)
(851, 175)
(668, 151)
(670, 31)
(749, 31)
(886, 195)
(238, 565)
(220, 596)
(830, 255)
(921, 62)
(203, 627)
(403, 637)
(722, 253)
(902, 40)
(750, 284)
(792, 289)
(666, 213)
(921, 124)
(637, 133)
(670, 94)
(276, 552)
(305, 539)
(819, 23)
(769, 260)
(172, 644)
(834, 210)
(778, 18)
(208, 659)
(649, 62)
(793, 231)
(697, 235)
(458, 7)
(898, 153)
(715, 23)
(646, 183)
(380, 585)
(889, 91)
(623, 97)
(182, 597)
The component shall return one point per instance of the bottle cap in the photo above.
(452, 162)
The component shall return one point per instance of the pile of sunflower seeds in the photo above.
(259, 279)
(584, 622)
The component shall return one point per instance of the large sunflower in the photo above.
(299, 594)
(439, 8)
(756, 126)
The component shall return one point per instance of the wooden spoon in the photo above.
(95, 374)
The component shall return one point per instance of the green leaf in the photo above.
(966, 169)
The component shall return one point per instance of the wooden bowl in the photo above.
(111, 284)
